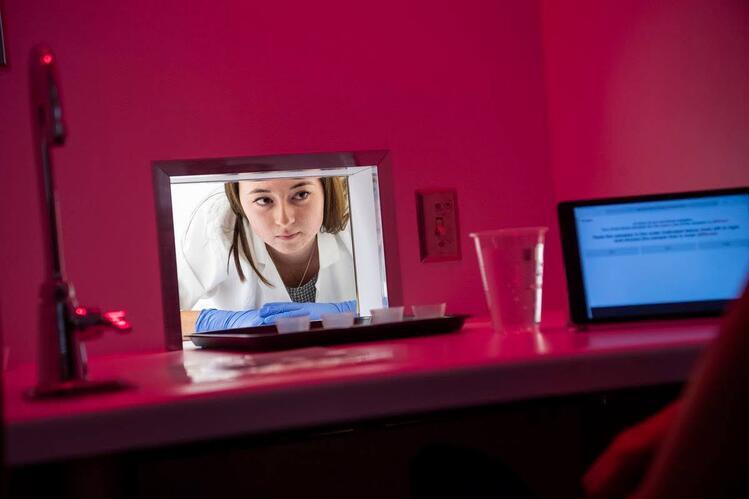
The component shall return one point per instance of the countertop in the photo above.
(197, 395)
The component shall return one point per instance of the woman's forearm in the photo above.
(187, 320)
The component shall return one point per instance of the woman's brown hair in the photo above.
(335, 218)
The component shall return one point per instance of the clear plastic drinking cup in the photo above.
(512, 265)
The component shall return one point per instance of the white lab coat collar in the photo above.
(328, 250)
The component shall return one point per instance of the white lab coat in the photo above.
(206, 281)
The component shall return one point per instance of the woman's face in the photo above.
(285, 213)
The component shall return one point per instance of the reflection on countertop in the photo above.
(233, 366)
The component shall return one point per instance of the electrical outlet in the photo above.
(439, 237)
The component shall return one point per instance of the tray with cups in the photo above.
(332, 329)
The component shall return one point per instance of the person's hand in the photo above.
(211, 319)
(620, 469)
(277, 310)
(216, 320)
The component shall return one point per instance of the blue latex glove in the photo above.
(212, 319)
(314, 310)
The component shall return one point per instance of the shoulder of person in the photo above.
(203, 249)
(211, 222)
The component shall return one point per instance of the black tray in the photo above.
(266, 338)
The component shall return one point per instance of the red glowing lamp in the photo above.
(116, 318)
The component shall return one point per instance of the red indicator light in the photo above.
(117, 319)
(122, 325)
(115, 315)
(80, 311)
(47, 59)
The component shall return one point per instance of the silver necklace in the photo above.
(314, 250)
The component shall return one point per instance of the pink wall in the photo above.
(454, 90)
(647, 96)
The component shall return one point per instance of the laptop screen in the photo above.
(674, 256)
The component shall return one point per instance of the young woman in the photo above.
(267, 249)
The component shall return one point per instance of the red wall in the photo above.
(454, 89)
(647, 96)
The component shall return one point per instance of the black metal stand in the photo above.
(63, 323)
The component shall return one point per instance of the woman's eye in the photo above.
(301, 195)
(264, 201)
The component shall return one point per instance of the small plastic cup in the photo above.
(385, 315)
(429, 311)
(292, 324)
(512, 264)
(335, 321)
